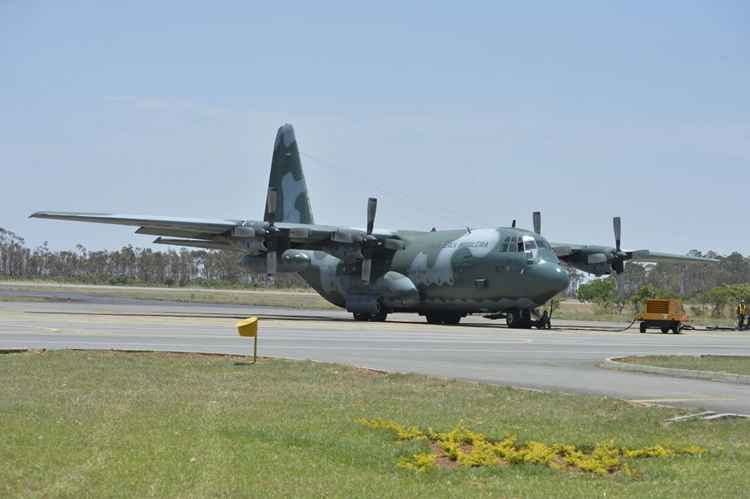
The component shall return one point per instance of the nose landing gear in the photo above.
(521, 319)
(518, 318)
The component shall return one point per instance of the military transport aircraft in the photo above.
(441, 274)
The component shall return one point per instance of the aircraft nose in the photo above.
(561, 279)
(550, 279)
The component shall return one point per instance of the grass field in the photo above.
(102, 424)
(716, 363)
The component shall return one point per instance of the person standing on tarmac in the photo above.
(742, 318)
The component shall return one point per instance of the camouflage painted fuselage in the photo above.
(485, 270)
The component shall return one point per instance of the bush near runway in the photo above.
(187, 425)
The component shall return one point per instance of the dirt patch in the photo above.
(442, 460)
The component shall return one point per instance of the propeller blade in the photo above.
(271, 262)
(537, 222)
(366, 270)
(617, 225)
(372, 206)
(271, 204)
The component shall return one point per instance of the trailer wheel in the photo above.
(664, 330)
(677, 328)
(643, 327)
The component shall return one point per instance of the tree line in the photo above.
(716, 284)
(129, 265)
(714, 288)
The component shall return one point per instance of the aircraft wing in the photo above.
(601, 260)
(241, 235)
(656, 257)
(168, 226)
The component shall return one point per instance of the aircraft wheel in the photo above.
(433, 318)
(451, 319)
(379, 317)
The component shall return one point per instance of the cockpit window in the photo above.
(505, 245)
(542, 243)
(519, 245)
(529, 244)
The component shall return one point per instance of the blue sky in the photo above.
(452, 115)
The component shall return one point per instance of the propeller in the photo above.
(369, 242)
(619, 257)
(372, 208)
(617, 225)
(537, 215)
(271, 232)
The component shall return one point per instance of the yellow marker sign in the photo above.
(249, 329)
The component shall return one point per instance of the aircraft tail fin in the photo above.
(292, 203)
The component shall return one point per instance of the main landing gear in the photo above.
(445, 318)
(376, 317)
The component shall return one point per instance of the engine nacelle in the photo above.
(253, 246)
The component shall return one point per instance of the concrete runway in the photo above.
(479, 349)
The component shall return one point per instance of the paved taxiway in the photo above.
(479, 349)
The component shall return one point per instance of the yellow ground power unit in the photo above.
(665, 314)
(248, 328)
